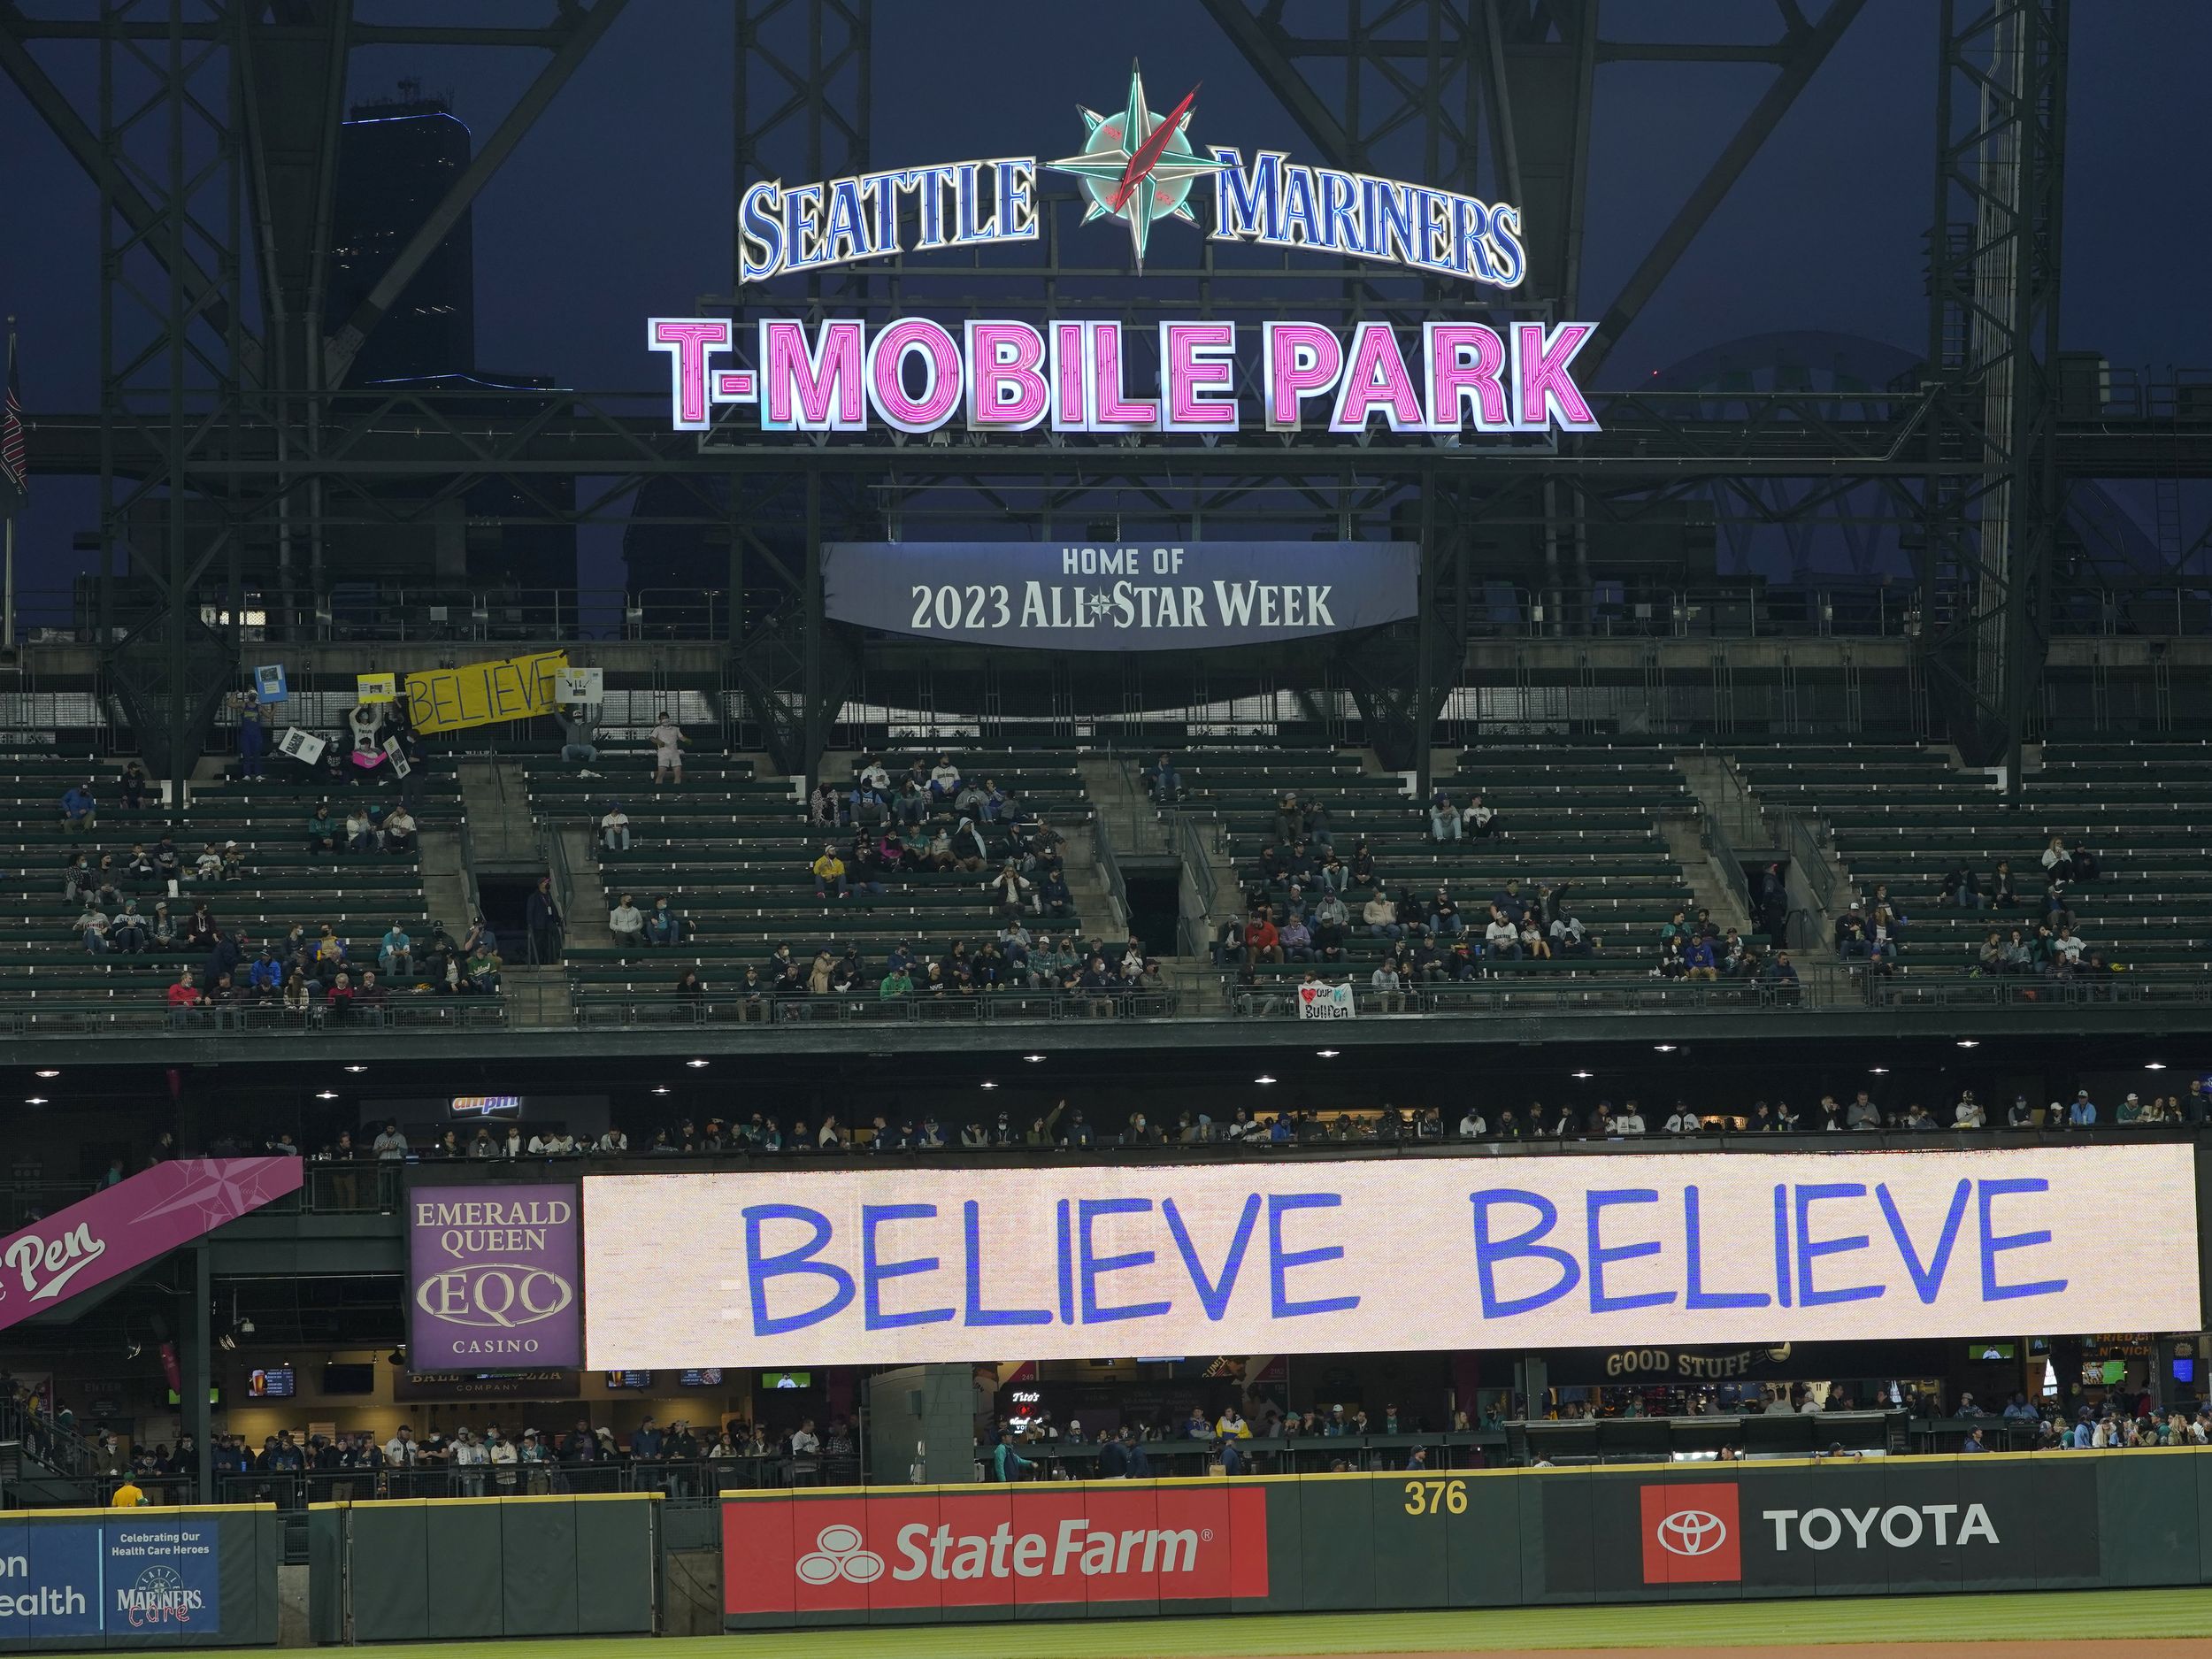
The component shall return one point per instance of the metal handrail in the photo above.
(1109, 867)
(870, 1008)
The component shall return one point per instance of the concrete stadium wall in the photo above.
(1710, 1531)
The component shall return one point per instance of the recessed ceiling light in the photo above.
(1879, 1071)
(1328, 1054)
(660, 1089)
(1262, 1078)
(34, 1099)
(1035, 1059)
(1664, 1047)
(48, 1072)
(697, 1065)
(2148, 1066)
(326, 1094)
(1970, 1043)
(356, 1068)
(989, 1086)
(1582, 1074)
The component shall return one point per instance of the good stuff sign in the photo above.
(899, 1266)
(492, 1278)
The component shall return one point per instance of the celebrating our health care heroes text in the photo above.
(880, 1267)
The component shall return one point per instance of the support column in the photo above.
(196, 1367)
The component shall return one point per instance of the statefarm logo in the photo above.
(1142, 1544)
(1691, 1534)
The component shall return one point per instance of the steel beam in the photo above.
(582, 30)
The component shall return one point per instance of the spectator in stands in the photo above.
(127, 932)
(360, 830)
(944, 780)
(541, 915)
(577, 747)
(1054, 900)
(2004, 891)
(1501, 939)
(1444, 919)
(1163, 782)
(1968, 1114)
(395, 953)
(1012, 892)
(1963, 889)
(1780, 975)
(339, 999)
(829, 872)
(2082, 1113)
(614, 828)
(1388, 985)
(1378, 917)
(399, 830)
(1482, 821)
(136, 788)
(1444, 819)
(1862, 1113)
(79, 812)
(92, 927)
(668, 750)
(322, 830)
(2082, 864)
(664, 927)
(1630, 1120)
(2057, 862)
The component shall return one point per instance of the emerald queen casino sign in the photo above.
(916, 375)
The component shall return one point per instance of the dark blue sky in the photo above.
(617, 204)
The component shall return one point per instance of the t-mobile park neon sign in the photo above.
(1138, 168)
(916, 375)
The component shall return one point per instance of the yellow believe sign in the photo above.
(480, 694)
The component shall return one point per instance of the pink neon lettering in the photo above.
(1008, 390)
(892, 402)
(787, 368)
(1113, 408)
(733, 384)
(1187, 374)
(1303, 360)
(1072, 413)
(1453, 376)
(691, 341)
(1376, 379)
(1543, 372)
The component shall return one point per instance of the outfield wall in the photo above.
(1504, 1538)
(148, 1578)
(423, 1569)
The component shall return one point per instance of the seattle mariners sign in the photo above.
(1195, 376)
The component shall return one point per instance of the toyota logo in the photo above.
(837, 1554)
(1692, 1533)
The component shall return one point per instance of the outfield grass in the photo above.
(2082, 1614)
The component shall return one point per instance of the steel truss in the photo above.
(224, 431)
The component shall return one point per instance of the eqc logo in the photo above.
(1691, 1534)
(1179, 1541)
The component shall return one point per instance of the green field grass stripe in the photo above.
(2082, 1614)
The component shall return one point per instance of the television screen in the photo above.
(350, 1379)
(214, 1397)
(1984, 1353)
(787, 1380)
(275, 1382)
(2184, 1371)
(711, 1379)
(629, 1379)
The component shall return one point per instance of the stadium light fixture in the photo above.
(1878, 1071)
(1664, 1047)
(356, 1068)
(1328, 1054)
(2148, 1066)
(1970, 1043)
(697, 1065)
(47, 1071)
(1035, 1059)
(1584, 1075)
(660, 1089)
(326, 1094)
(34, 1099)
(988, 1084)
(1262, 1078)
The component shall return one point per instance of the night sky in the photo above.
(617, 205)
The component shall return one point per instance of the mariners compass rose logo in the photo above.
(1137, 166)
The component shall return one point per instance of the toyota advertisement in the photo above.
(811, 1266)
(1460, 1538)
(492, 1279)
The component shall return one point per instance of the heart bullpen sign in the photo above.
(130, 1224)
